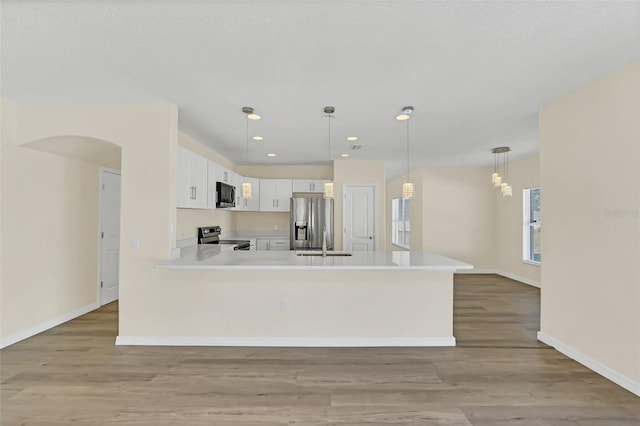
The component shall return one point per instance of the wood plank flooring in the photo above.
(498, 375)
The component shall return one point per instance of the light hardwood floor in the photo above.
(497, 375)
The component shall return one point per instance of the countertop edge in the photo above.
(312, 267)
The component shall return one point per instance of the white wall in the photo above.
(453, 213)
(523, 174)
(590, 202)
(147, 135)
(49, 235)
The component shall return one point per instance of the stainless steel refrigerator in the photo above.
(308, 216)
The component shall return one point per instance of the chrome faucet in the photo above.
(324, 240)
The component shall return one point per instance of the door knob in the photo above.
(371, 238)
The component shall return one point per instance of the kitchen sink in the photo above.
(319, 253)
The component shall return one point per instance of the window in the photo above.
(400, 222)
(531, 230)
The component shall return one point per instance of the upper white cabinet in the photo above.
(236, 181)
(275, 195)
(211, 184)
(308, 185)
(191, 180)
(223, 175)
(251, 204)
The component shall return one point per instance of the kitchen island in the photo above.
(253, 298)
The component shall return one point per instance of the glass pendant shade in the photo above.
(328, 190)
(507, 191)
(494, 177)
(246, 189)
(497, 182)
(407, 190)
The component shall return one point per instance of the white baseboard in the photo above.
(284, 341)
(501, 273)
(8, 341)
(592, 364)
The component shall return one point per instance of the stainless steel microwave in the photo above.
(226, 195)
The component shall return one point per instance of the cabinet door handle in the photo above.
(195, 192)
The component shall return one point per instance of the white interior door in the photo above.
(110, 236)
(358, 218)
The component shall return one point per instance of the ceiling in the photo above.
(476, 72)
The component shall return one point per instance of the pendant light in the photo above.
(407, 187)
(501, 155)
(328, 186)
(246, 186)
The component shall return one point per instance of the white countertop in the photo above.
(210, 256)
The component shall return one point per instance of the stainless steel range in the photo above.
(211, 235)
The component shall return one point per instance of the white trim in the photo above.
(592, 364)
(531, 262)
(46, 325)
(344, 211)
(343, 342)
(519, 278)
(100, 206)
(509, 275)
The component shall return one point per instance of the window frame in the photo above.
(529, 225)
(398, 215)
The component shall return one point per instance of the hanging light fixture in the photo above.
(501, 155)
(407, 187)
(328, 186)
(246, 186)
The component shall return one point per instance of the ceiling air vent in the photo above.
(355, 147)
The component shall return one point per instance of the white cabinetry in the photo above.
(250, 204)
(191, 183)
(308, 185)
(223, 175)
(235, 180)
(275, 195)
(262, 244)
(272, 244)
(211, 184)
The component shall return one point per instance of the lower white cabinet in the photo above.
(272, 244)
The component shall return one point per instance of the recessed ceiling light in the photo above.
(271, 155)
(257, 138)
(344, 155)
(352, 138)
(253, 117)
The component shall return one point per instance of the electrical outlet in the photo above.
(284, 305)
(275, 227)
